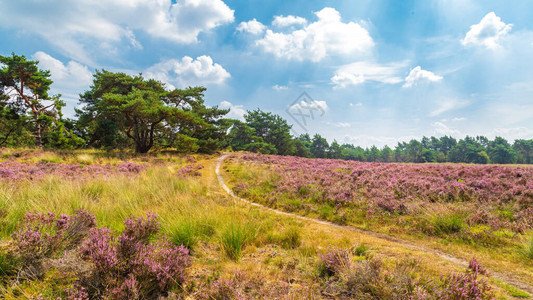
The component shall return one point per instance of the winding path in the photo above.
(442, 255)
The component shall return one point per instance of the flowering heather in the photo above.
(466, 286)
(130, 266)
(502, 196)
(335, 260)
(15, 171)
(190, 170)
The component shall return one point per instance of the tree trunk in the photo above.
(141, 147)
(38, 141)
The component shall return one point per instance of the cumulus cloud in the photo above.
(72, 74)
(487, 32)
(81, 25)
(442, 129)
(252, 26)
(188, 71)
(236, 111)
(360, 72)
(328, 35)
(286, 21)
(418, 75)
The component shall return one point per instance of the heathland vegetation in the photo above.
(122, 202)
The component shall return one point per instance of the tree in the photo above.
(241, 136)
(524, 150)
(12, 122)
(386, 154)
(21, 81)
(273, 129)
(500, 151)
(147, 114)
(335, 150)
(468, 150)
(303, 147)
(319, 146)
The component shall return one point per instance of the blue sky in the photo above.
(376, 71)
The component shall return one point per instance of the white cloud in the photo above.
(442, 129)
(329, 35)
(359, 72)
(514, 133)
(282, 21)
(375, 140)
(316, 105)
(487, 32)
(280, 87)
(417, 75)
(236, 111)
(447, 105)
(341, 124)
(71, 75)
(252, 26)
(77, 26)
(458, 119)
(189, 72)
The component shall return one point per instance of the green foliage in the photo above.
(319, 146)
(235, 236)
(23, 84)
(290, 238)
(272, 129)
(148, 115)
(527, 249)
(447, 223)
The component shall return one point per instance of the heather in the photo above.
(436, 199)
(12, 170)
(170, 233)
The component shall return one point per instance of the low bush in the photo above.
(130, 266)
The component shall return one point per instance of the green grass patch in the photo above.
(235, 236)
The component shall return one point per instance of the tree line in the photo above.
(121, 111)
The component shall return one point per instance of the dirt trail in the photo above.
(437, 253)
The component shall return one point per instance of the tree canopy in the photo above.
(144, 112)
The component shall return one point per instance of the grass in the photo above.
(235, 236)
(193, 212)
(444, 224)
(527, 250)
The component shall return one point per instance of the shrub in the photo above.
(130, 267)
(466, 286)
(334, 261)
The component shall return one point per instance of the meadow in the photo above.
(116, 225)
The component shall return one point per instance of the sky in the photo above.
(365, 72)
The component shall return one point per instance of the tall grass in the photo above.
(235, 236)
(527, 251)
(111, 198)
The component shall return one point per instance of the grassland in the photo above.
(235, 250)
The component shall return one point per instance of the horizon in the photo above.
(375, 73)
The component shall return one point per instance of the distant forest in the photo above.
(120, 111)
